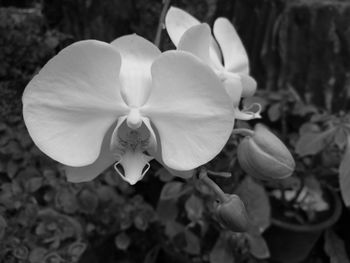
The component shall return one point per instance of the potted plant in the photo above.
(307, 203)
(302, 209)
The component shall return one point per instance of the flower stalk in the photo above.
(161, 24)
(203, 175)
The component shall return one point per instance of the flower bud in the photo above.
(264, 156)
(232, 214)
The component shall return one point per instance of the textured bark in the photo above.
(305, 44)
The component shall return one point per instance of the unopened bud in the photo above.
(232, 214)
(264, 156)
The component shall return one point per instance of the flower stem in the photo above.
(160, 27)
(212, 185)
(243, 131)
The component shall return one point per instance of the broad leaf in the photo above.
(344, 175)
(192, 243)
(257, 203)
(257, 246)
(173, 190)
(167, 210)
(274, 112)
(194, 208)
(340, 137)
(313, 142)
(221, 253)
(335, 248)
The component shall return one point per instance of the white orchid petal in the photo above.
(69, 106)
(233, 86)
(190, 110)
(137, 55)
(89, 172)
(249, 85)
(215, 54)
(197, 40)
(234, 53)
(153, 145)
(156, 152)
(177, 22)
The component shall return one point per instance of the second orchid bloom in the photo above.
(225, 54)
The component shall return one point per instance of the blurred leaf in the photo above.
(76, 249)
(88, 201)
(3, 226)
(167, 210)
(20, 252)
(37, 255)
(221, 253)
(344, 175)
(33, 184)
(152, 255)
(312, 143)
(192, 243)
(12, 168)
(257, 246)
(172, 190)
(173, 228)
(53, 257)
(67, 201)
(164, 175)
(141, 222)
(194, 208)
(122, 241)
(335, 248)
(274, 112)
(340, 138)
(309, 128)
(257, 203)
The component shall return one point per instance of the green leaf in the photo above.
(340, 137)
(88, 201)
(164, 175)
(344, 175)
(313, 142)
(192, 243)
(257, 203)
(172, 190)
(37, 255)
(335, 248)
(167, 210)
(274, 112)
(3, 226)
(221, 253)
(122, 241)
(152, 255)
(76, 249)
(194, 208)
(257, 246)
(173, 228)
(67, 201)
(33, 184)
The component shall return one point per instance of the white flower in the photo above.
(188, 34)
(95, 104)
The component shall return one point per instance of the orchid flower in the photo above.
(188, 34)
(95, 104)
